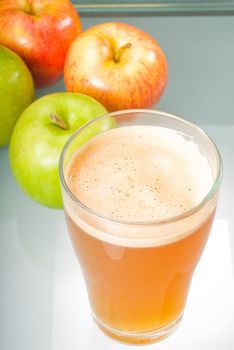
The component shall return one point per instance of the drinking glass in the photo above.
(138, 273)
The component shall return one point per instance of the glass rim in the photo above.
(209, 195)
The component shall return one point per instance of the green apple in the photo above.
(39, 137)
(16, 91)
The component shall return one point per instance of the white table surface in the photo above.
(43, 303)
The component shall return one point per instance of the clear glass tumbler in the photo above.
(138, 272)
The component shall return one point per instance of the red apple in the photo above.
(40, 31)
(118, 64)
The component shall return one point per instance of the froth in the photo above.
(140, 174)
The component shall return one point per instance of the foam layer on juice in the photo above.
(138, 173)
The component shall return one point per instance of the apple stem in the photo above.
(58, 121)
(29, 7)
(121, 50)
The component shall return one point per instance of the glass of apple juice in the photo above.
(140, 190)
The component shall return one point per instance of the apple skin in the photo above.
(16, 91)
(120, 65)
(37, 142)
(40, 32)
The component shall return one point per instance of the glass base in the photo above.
(139, 338)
